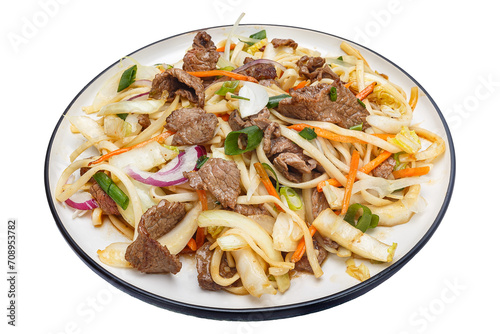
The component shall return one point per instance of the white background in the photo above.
(450, 48)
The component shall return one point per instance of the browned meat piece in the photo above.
(203, 56)
(192, 126)
(258, 71)
(277, 42)
(175, 81)
(203, 258)
(250, 210)
(313, 103)
(287, 157)
(269, 83)
(319, 202)
(144, 121)
(272, 131)
(304, 265)
(293, 165)
(106, 203)
(149, 256)
(220, 177)
(313, 68)
(261, 120)
(282, 145)
(385, 168)
(163, 217)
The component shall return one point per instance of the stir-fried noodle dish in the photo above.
(260, 158)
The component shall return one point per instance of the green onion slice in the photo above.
(292, 198)
(228, 87)
(110, 188)
(122, 116)
(362, 103)
(240, 97)
(254, 136)
(399, 165)
(201, 161)
(366, 221)
(275, 100)
(358, 127)
(227, 68)
(127, 78)
(308, 133)
(269, 168)
(333, 94)
(259, 35)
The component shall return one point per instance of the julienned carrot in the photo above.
(332, 182)
(375, 162)
(213, 73)
(365, 169)
(202, 196)
(351, 177)
(408, 172)
(367, 91)
(222, 48)
(384, 136)
(161, 137)
(224, 117)
(267, 182)
(200, 237)
(190, 247)
(302, 84)
(327, 134)
(301, 247)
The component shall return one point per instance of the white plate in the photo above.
(307, 294)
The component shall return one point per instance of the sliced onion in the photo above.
(257, 99)
(143, 83)
(138, 96)
(172, 173)
(82, 200)
(259, 61)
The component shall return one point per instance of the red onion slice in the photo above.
(138, 96)
(172, 173)
(82, 200)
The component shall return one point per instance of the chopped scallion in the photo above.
(362, 103)
(240, 97)
(110, 188)
(269, 168)
(308, 133)
(358, 127)
(274, 101)
(127, 78)
(366, 221)
(201, 161)
(254, 136)
(333, 94)
(228, 87)
(259, 35)
(292, 198)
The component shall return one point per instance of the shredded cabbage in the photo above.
(406, 139)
